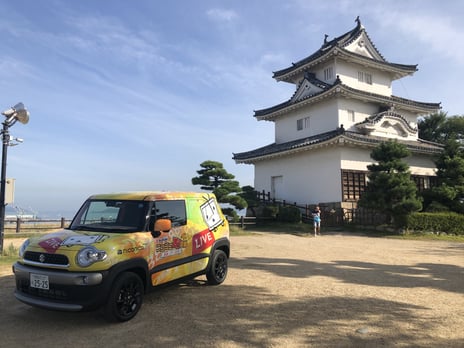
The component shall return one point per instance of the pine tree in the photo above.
(390, 189)
(449, 193)
(440, 128)
(213, 177)
(431, 127)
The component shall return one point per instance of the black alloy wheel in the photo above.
(217, 271)
(125, 298)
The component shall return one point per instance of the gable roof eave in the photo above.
(398, 70)
(303, 65)
(310, 82)
(338, 137)
(278, 150)
(393, 101)
(325, 50)
(269, 114)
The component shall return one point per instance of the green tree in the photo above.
(390, 189)
(454, 129)
(213, 177)
(250, 195)
(438, 127)
(449, 193)
(431, 127)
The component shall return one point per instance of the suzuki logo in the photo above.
(42, 258)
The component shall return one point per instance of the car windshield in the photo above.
(111, 216)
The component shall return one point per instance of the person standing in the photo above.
(317, 221)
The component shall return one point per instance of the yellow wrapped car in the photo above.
(119, 246)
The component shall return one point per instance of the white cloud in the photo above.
(438, 33)
(222, 14)
(13, 68)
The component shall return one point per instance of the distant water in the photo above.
(11, 212)
(53, 215)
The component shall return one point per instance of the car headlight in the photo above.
(89, 255)
(23, 247)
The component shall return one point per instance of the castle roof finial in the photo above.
(357, 20)
(325, 38)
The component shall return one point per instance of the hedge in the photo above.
(451, 223)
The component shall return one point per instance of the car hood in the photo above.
(70, 240)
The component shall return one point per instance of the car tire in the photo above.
(125, 298)
(218, 267)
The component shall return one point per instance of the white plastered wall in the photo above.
(348, 73)
(361, 112)
(353, 158)
(323, 118)
(312, 177)
(308, 177)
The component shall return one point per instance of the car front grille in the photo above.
(45, 258)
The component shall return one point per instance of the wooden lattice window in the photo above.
(424, 182)
(353, 184)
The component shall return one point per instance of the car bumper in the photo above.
(68, 291)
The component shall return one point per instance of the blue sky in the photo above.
(134, 95)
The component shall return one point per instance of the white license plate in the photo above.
(39, 281)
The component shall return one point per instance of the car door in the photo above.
(172, 249)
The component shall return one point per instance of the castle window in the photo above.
(328, 73)
(353, 184)
(368, 78)
(351, 116)
(365, 77)
(424, 182)
(302, 123)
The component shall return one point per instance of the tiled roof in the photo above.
(339, 136)
(339, 87)
(338, 44)
(374, 119)
(311, 77)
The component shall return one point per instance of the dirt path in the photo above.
(282, 291)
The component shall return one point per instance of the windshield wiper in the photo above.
(106, 228)
(84, 228)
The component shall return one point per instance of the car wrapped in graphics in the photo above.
(120, 246)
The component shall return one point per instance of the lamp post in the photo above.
(12, 115)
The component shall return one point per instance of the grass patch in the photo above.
(10, 254)
(237, 231)
(429, 236)
(24, 234)
(307, 229)
(273, 227)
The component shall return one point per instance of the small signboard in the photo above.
(9, 191)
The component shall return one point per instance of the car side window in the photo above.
(173, 210)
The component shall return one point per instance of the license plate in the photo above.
(39, 281)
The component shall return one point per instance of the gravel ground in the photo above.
(282, 290)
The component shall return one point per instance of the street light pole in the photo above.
(13, 114)
(5, 142)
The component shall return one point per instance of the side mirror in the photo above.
(162, 225)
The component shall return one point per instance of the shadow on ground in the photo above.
(438, 276)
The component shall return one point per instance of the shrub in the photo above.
(270, 211)
(231, 213)
(289, 214)
(447, 222)
(435, 207)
